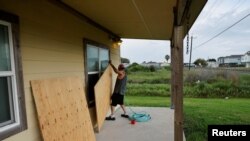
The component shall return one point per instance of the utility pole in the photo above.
(190, 52)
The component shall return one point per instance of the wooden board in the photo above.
(102, 96)
(62, 109)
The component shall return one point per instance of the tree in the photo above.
(211, 60)
(167, 57)
(125, 60)
(152, 68)
(200, 62)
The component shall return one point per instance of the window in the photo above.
(97, 57)
(12, 113)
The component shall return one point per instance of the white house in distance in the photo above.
(212, 64)
(164, 64)
(230, 61)
(220, 60)
(148, 64)
(245, 59)
(233, 59)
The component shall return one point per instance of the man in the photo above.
(119, 91)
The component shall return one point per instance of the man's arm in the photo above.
(114, 68)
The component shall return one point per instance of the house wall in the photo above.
(245, 58)
(212, 64)
(221, 60)
(236, 60)
(51, 41)
(157, 65)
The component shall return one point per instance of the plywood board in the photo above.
(102, 96)
(62, 109)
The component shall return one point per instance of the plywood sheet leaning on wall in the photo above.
(102, 96)
(62, 109)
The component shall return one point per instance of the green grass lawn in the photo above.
(198, 113)
(147, 101)
(151, 89)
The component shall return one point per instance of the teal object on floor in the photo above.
(139, 117)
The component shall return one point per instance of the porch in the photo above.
(51, 46)
(159, 128)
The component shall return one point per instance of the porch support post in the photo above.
(178, 82)
(172, 75)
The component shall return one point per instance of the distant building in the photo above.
(187, 65)
(230, 61)
(148, 64)
(233, 59)
(245, 59)
(212, 64)
(220, 60)
(164, 64)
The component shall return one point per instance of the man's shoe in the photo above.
(125, 115)
(110, 118)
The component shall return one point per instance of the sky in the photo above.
(215, 17)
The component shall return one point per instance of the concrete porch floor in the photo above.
(159, 128)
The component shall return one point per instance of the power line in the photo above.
(213, 9)
(222, 31)
(232, 9)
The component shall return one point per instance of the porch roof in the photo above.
(138, 19)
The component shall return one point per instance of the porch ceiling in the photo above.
(139, 19)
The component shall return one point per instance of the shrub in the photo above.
(212, 83)
(201, 89)
(207, 75)
(219, 89)
(210, 76)
(148, 89)
(167, 68)
(234, 77)
(152, 68)
(222, 74)
(191, 77)
(137, 68)
(245, 79)
(150, 81)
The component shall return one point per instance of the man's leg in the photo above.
(113, 105)
(124, 109)
(112, 111)
(111, 117)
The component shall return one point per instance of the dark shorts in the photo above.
(117, 99)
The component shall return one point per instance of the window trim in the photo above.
(15, 120)
(17, 78)
(98, 45)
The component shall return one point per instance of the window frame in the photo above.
(14, 109)
(19, 122)
(99, 72)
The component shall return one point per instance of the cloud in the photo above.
(233, 41)
(145, 50)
